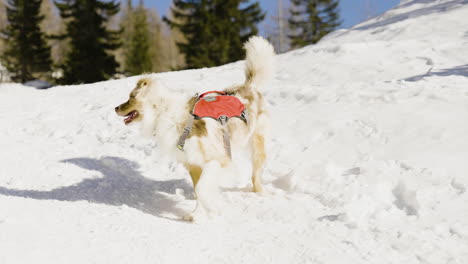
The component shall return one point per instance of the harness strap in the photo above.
(227, 143)
(245, 116)
(188, 128)
(203, 94)
(222, 119)
(185, 133)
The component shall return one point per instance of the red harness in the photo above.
(222, 105)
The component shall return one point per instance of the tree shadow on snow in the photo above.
(442, 7)
(459, 70)
(121, 184)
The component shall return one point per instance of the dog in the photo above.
(163, 115)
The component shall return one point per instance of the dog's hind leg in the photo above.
(195, 172)
(258, 160)
(205, 191)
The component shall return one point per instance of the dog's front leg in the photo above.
(205, 190)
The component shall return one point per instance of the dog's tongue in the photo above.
(130, 117)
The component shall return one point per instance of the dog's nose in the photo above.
(116, 108)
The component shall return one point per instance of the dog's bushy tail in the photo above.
(259, 62)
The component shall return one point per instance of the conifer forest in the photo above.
(85, 41)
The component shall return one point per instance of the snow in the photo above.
(367, 161)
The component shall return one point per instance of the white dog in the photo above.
(164, 115)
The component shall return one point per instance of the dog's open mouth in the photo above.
(130, 117)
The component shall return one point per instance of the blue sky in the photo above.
(352, 11)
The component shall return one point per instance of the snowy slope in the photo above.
(367, 160)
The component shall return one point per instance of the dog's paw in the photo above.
(188, 218)
(257, 188)
(195, 218)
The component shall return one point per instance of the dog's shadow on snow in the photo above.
(121, 184)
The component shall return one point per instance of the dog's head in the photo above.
(133, 108)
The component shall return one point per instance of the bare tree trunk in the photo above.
(369, 11)
(277, 30)
(281, 26)
(54, 25)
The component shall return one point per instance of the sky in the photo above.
(352, 11)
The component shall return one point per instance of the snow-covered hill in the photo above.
(368, 160)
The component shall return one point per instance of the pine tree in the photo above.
(311, 20)
(89, 59)
(138, 59)
(214, 30)
(27, 55)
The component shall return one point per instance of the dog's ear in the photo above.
(143, 82)
(141, 88)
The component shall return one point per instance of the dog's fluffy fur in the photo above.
(163, 115)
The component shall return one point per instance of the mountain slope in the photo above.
(367, 160)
